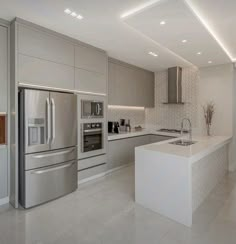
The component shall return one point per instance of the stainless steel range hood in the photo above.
(175, 86)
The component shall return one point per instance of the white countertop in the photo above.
(204, 145)
(123, 135)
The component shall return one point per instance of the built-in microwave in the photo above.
(92, 109)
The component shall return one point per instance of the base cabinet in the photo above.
(121, 152)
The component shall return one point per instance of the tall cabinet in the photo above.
(4, 78)
(44, 59)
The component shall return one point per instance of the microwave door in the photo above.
(63, 120)
(36, 121)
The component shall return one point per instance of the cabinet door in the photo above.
(45, 73)
(3, 173)
(145, 88)
(36, 43)
(88, 81)
(121, 85)
(3, 69)
(157, 138)
(90, 59)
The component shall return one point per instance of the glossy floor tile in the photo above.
(104, 212)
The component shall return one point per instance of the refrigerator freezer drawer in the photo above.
(37, 160)
(45, 184)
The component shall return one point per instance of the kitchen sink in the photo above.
(183, 142)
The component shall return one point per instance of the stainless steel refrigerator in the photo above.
(48, 145)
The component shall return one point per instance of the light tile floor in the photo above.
(104, 212)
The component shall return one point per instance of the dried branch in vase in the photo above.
(209, 110)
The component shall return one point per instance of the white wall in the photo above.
(216, 84)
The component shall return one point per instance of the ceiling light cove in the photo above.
(184, 41)
(199, 53)
(138, 8)
(209, 62)
(73, 14)
(210, 29)
(162, 22)
(153, 54)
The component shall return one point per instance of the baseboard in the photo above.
(4, 201)
(117, 168)
(94, 177)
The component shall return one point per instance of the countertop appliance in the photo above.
(92, 137)
(92, 109)
(48, 145)
(113, 127)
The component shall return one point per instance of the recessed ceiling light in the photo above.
(79, 16)
(153, 54)
(199, 53)
(67, 11)
(209, 62)
(162, 22)
(73, 14)
(184, 41)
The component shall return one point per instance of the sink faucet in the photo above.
(190, 128)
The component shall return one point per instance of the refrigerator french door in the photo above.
(48, 145)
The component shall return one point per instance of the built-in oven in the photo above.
(91, 137)
(92, 109)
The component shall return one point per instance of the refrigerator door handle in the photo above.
(53, 168)
(53, 120)
(48, 118)
(54, 154)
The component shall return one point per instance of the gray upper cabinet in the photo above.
(45, 73)
(3, 68)
(90, 59)
(90, 70)
(92, 82)
(129, 85)
(39, 44)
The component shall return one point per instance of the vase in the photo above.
(208, 129)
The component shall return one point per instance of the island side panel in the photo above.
(163, 184)
(207, 173)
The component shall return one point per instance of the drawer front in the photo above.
(87, 173)
(45, 73)
(38, 160)
(90, 162)
(87, 81)
(48, 183)
(42, 45)
(90, 59)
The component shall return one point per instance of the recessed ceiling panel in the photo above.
(182, 32)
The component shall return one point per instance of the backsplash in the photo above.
(170, 116)
(136, 115)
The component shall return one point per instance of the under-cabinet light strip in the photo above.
(59, 89)
(125, 107)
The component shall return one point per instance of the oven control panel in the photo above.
(88, 126)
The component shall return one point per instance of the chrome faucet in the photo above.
(190, 128)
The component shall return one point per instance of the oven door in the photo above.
(92, 109)
(92, 140)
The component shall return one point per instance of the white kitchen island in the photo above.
(174, 180)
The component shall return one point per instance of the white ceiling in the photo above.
(103, 27)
